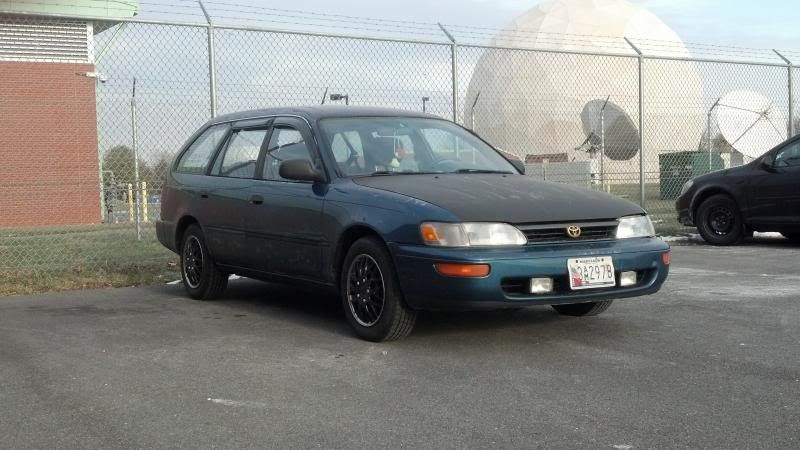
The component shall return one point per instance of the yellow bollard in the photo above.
(130, 202)
(144, 202)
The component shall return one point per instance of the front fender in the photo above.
(706, 191)
(395, 218)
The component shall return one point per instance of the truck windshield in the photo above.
(364, 146)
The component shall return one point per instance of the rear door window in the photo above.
(198, 156)
(241, 155)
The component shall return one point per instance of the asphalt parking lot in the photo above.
(711, 361)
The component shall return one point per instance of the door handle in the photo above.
(256, 200)
(203, 194)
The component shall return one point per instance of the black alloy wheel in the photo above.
(365, 290)
(371, 296)
(201, 277)
(192, 262)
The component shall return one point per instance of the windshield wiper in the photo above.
(483, 171)
(389, 172)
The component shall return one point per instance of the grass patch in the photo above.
(76, 257)
(13, 282)
(88, 256)
(662, 212)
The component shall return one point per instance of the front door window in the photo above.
(286, 143)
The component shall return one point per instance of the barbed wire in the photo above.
(333, 16)
(241, 12)
(338, 26)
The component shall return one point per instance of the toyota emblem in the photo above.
(574, 231)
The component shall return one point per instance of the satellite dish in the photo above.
(749, 122)
(621, 135)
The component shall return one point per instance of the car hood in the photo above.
(505, 198)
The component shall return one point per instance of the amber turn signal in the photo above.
(462, 270)
(429, 234)
(665, 257)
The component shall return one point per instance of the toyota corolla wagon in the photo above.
(397, 212)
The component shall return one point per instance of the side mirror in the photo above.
(300, 170)
(519, 165)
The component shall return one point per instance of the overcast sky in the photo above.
(745, 23)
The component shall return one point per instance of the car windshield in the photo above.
(401, 145)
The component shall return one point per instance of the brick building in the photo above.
(49, 165)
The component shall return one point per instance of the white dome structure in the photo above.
(531, 102)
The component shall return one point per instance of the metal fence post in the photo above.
(790, 68)
(100, 172)
(603, 145)
(641, 124)
(212, 64)
(135, 142)
(454, 60)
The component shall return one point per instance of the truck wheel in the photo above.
(201, 277)
(583, 309)
(371, 296)
(719, 221)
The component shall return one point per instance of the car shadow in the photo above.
(432, 323)
(286, 302)
(777, 242)
(309, 308)
(756, 241)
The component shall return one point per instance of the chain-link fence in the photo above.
(91, 124)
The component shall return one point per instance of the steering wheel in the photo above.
(352, 162)
(352, 158)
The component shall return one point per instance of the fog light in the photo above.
(541, 285)
(627, 279)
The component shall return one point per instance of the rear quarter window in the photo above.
(198, 156)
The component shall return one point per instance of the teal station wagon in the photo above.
(397, 212)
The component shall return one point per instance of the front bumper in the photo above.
(685, 217)
(682, 205)
(511, 269)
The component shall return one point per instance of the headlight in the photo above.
(635, 226)
(474, 234)
(686, 186)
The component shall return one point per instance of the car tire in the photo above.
(583, 309)
(795, 237)
(201, 277)
(719, 221)
(371, 297)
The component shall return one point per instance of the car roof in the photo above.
(313, 113)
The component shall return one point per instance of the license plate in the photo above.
(591, 272)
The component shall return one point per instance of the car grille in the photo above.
(557, 232)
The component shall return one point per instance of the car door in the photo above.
(189, 194)
(229, 197)
(775, 190)
(284, 232)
